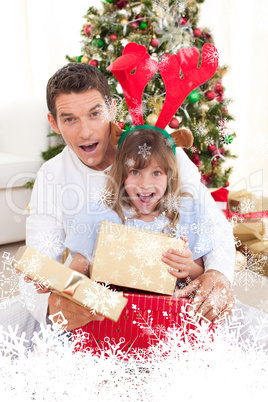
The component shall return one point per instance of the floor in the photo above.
(255, 295)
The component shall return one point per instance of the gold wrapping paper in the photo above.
(69, 283)
(130, 257)
(253, 234)
(245, 202)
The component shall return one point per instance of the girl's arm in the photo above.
(80, 264)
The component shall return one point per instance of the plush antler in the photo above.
(177, 88)
(133, 84)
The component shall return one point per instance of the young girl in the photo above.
(143, 190)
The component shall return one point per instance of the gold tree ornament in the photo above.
(152, 119)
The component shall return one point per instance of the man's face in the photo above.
(83, 120)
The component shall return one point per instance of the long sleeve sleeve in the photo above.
(222, 257)
(44, 233)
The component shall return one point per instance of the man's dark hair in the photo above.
(77, 78)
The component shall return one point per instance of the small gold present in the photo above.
(130, 257)
(244, 202)
(69, 283)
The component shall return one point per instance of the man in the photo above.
(81, 109)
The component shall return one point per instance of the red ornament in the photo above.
(183, 21)
(210, 95)
(206, 179)
(134, 25)
(197, 32)
(226, 184)
(218, 88)
(121, 125)
(120, 4)
(219, 98)
(212, 148)
(196, 160)
(225, 110)
(87, 30)
(154, 42)
(207, 35)
(113, 37)
(93, 63)
(174, 123)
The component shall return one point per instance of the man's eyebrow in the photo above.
(66, 114)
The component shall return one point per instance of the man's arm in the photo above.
(213, 297)
(223, 256)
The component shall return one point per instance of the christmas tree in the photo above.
(163, 27)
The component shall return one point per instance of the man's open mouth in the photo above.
(145, 198)
(89, 148)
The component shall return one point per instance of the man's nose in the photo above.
(85, 130)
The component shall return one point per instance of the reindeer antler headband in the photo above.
(135, 57)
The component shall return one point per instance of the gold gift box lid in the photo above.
(130, 257)
(69, 283)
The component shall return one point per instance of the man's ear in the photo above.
(53, 123)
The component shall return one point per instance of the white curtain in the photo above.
(36, 35)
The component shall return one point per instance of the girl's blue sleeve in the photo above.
(82, 233)
(197, 226)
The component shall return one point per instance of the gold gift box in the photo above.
(244, 202)
(130, 257)
(254, 235)
(69, 283)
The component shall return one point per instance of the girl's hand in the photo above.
(180, 261)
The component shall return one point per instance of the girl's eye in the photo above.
(134, 172)
(157, 173)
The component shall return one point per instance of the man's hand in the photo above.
(213, 299)
(76, 315)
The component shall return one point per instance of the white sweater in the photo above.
(64, 184)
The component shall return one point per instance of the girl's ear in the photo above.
(182, 138)
(116, 133)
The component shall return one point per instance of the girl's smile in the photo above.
(145, 187)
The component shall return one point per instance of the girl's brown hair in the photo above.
(136, 151)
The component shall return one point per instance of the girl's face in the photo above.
(145, 187)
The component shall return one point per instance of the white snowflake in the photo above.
(11, 343)
(144, 150)
(147, 249)
(102, 197)
(263, 305)
(59, 322)
(50, 244)
(251, 274)
(172, 203)
(136, 273)
(246, 205)
(138, 110)
(99, 300)
(209, 141)
(212, 55)
(130, 162)
(200, 129)
(150, 67)
(9, 279)
(119, 253)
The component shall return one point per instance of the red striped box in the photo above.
(143, 323)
